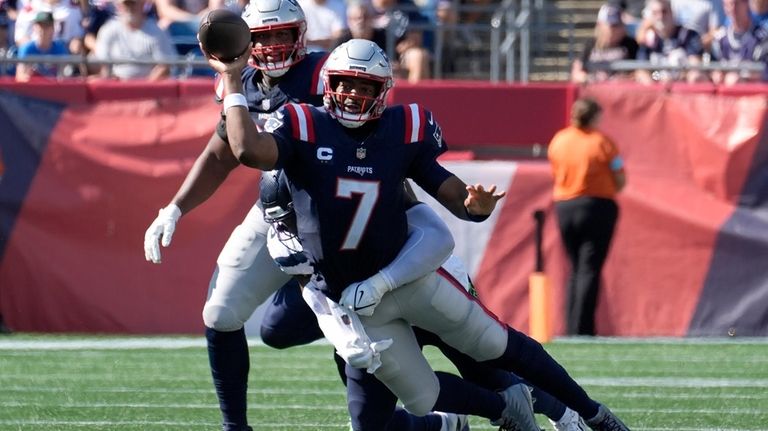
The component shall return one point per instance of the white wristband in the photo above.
(235, 99)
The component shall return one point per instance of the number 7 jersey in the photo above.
(354, 178)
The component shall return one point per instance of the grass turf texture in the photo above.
(124, 383)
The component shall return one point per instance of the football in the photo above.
(223, 34)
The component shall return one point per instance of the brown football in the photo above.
(223, 34)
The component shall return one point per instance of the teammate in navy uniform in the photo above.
(352, 158)
(281, 71)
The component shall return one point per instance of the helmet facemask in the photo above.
(363, 65)
(275, 59)
(353, 109)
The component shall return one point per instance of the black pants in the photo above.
(586, 227)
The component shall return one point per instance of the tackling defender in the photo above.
(352, 158)
(428, 247)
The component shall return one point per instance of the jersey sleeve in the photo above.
(218, 83)
(423, 131)
(281, 126)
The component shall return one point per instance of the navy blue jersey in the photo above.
(301, 84)
(355, 180)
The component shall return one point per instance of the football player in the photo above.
(428, 248)
(351, 158)
(279, 71)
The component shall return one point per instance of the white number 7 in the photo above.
(346, 188)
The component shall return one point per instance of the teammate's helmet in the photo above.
(275, 196)
(357, 58)
(268, 15)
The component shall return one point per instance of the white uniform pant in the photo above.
(245, 276)
(440, 305)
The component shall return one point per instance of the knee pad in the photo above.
(221, 318)
(422, 402)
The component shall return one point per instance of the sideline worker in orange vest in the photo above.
(588, 172)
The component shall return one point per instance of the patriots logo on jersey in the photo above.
(274, 122)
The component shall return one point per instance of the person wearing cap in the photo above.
(42, 43)
(131, 35)
(610, 43)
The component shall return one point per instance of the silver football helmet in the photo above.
(361, 59)
(268, 15)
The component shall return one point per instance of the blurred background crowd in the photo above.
(722, 41)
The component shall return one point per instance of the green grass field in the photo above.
(98, 383)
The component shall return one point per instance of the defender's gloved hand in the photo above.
(363, 297)
(160, 230)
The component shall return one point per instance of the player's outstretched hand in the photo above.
(481, 201)
(161, 230)
(232, 67)
(363, 297)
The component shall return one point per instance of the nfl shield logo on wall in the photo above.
(360, 153)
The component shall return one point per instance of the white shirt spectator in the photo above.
(116, 41)
(698, 15)
(324, 24)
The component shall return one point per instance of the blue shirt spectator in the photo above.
(42, 43)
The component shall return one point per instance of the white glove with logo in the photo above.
(363, 297)
(345, 331)
(161, 228)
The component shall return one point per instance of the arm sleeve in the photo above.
(428, 245)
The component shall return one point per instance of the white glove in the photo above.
(345, 331)
(162, 227)
(363, 297)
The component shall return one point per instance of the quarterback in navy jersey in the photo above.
(363, 219)
(357, 77)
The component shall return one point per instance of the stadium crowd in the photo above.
(684, 39)
(675, 40)
(107, 30)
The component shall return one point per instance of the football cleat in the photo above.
(605, 420)
(518, 413)
(571, 421)
(454, 422)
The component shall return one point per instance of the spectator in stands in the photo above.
(7, 49)
(185, 12)
(399, 16)
(662, 41)
(360, 26)
(133, 36)
(741, 40)
(325, 25)
(759, 10)
(700, 16)
(588, 172)
(611, 43)
(67, 22)
(42, 43)
(453, 44)
(99, 12)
